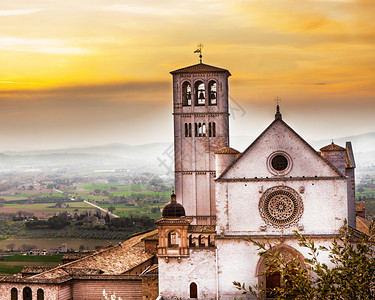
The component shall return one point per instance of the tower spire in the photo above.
(278, 114)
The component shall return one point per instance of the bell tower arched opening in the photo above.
(186, 94)
(212, 92)
(200, 93)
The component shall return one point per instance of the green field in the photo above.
(49, 206)
(366, 193)
(140, 200)
(26, 196)
(145, 210)
(39, 258)
(46, 209)
(53, 243)
(109, 185)
(13, 264)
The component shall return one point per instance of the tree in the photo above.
(107, 218)
(111, 209)
(28, 247)
(351, 276)
(11, 246)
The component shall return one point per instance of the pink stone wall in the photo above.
(50, 291)
(93, 289)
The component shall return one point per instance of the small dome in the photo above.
(226, 150)
(332, 147)
(173, 209)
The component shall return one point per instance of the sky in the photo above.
(91, 72)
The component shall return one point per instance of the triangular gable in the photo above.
(279, 136)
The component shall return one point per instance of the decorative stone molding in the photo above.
(260, 189)
(279, 163)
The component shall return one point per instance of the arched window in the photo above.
(40, 294)
(187, 129)
(211, 129)
(212, 92)
(193, 290)
(271, 277)
(14, 294)
(200, 129)
(200, 241)
(200, 93)
(186, 94)
(173, 239)
(27, 293)
(191, 241)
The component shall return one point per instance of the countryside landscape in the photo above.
(52, 206)
(79, 200)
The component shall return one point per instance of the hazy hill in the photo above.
(157, 157)
(361, 143)
(114, 156)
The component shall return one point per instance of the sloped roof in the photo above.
(227, 150)
(200, 68)
(332, 147)
(362, 224)
(114, 260)
(35, 269)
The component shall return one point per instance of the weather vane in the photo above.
(199, 50)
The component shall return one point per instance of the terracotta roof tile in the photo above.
(227, 150)
(114, 260)
(332, 147)
(35, 269)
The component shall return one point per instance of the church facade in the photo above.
(279, 184)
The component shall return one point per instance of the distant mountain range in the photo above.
(361, 143)
(152, 157)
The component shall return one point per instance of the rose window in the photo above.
(281, 206)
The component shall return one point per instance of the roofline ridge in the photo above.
(263, 132)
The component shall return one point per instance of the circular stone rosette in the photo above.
(281, 207)
(279, 163)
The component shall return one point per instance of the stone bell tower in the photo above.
(201, 126)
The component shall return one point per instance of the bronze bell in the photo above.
(201, 95)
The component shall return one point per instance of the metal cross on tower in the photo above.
(199, 50)
(278, 114)
(277, 100)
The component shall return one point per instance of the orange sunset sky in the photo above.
(89, 72)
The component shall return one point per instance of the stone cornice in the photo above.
(271, 236)
(202, 114)
(255, 179)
